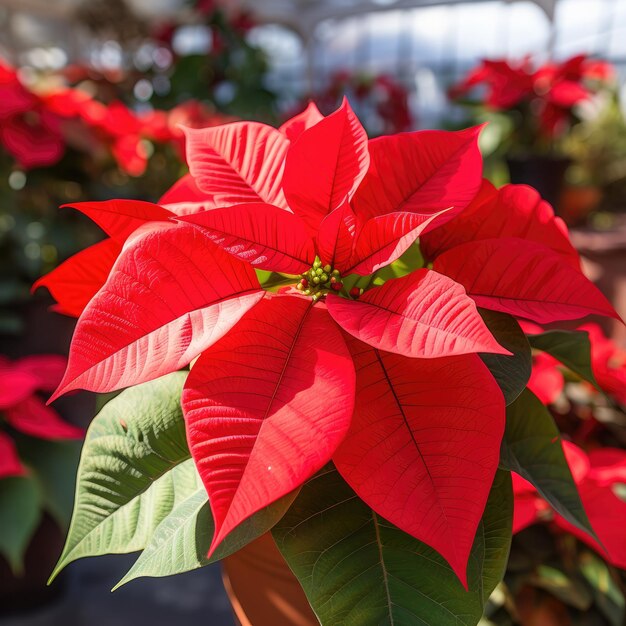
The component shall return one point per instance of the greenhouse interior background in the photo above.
(92, 97)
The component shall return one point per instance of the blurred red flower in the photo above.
(29, 131)
(24, 411)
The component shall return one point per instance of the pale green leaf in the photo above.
(182, 540)
(126, 484)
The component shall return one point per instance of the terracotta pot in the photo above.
(30, 591)
(545, 173)
(262, 589)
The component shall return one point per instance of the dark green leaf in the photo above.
(511, 372)
(53, 465)
(572, 348)
(356, 568)
(532, 448)
(19, 517)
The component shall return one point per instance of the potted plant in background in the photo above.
(597, 178)
(38, 460)
(356, 392)
(542, 106)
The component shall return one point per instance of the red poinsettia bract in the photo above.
(24, 410)
(387, 383)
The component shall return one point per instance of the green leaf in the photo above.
(532, 448)
(356, 568)
(511, 372)
(570, 347)
(128, 479)
(272, 281)
(182, 540)
(53, 465)
(411, 260)
(20, 514)
(606, 592)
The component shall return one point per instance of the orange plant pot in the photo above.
(263, 590)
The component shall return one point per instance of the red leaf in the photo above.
(171, 294)
(511, 211)
(9, 461)
(184, 197)
(76, 281)
(607, 466)
(524, 279)
(326, 165)
(546, 381)
(47, 369)
(15, 384)
(422, 172)
(295, 126)
(335, 238)
(422, 315)
(120, 218)
(32, 417)
(606, 514)
(260, 234)
(529, 508)
(267, 406)
(238, 163)
(385, 238)
(424, 445)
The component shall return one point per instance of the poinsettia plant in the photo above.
(555, 570)
(35, 452)
(347, 309)
(539, 102)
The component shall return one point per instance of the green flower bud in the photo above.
(324, 277)
(316, 280)
(327, 268)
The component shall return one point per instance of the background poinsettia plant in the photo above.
(539, 102)
(556, 573)
(348, 310)
(35, 451)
